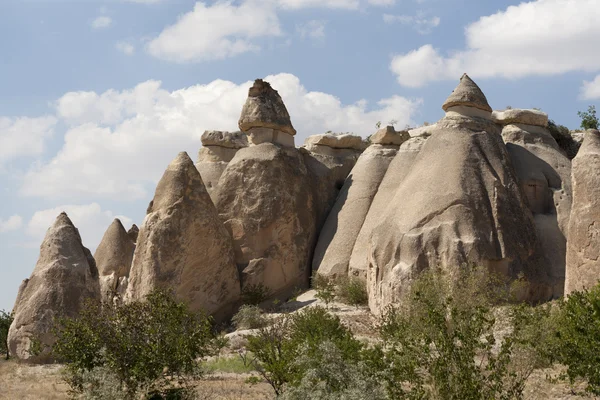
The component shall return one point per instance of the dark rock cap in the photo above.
(264, 108)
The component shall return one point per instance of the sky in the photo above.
(97, 97)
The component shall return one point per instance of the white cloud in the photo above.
(101, 22)
(11, 224)
(591, 90)
(125, 47)
(543, 37)
(119, 143)
(420, 23)
(217, 31)
(333, 4)
(313, 29)
(20, 137)
(90, 219)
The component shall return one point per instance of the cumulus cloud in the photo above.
(101, 22)
(11, 224)
(543, 37)
(420, 23)
(216, 31)
(313, 29)
(90, 219)
(591, 90)
(125, 47)
(333, 4)
(21, 137)
(119, 143)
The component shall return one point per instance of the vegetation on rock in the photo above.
(589, 120)
(5, 322)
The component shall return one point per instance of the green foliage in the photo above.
(325, 288)
(255, 294)
(352, 291)
(249, 317)
(6, 320)
(563, 138)
(236, 365)
(589, 120)
(278, 347)
(440, 344)
(150, 346)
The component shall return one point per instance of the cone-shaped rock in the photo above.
(583, 246)
(183, 246)
(544, 174)
(265, 200)
(113, 259)
(460, 203)
(467, 94)
(397, 170)
(64, 276)
(264, 108)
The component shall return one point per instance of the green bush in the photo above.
(325, 288)
(352, 291)
(255, 294)
(563, 138)
(589, 120)
(6, 320)
(150, 346)
(249, 317)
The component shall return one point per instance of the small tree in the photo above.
(325, 288)
(6, 320)
(352, 291)
(589, 120)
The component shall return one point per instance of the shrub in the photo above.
(249, 317)
(6, 320)
(149, 346)
(589, 120)
(255, 294)
(352, 291)
(325, 288)
(563, 138)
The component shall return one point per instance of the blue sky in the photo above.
(96, 97)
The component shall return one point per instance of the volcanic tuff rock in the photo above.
(468, 94)
(218, 148)
(133, 233)
(397, 170)
(460, 203)
(113, 259)
(389, 135)
(183, 245)
(544, 174)
(337, 238)
(64, 276)
(583, 246)
(520, 116)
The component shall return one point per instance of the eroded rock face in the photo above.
(583, 246)
(338, 236)
(467, 94)
(544, 174)
(183, 246)
(65, 275)
(389, 135)
(218, 148)
(133, 233)
(520, 116)
(113, 259)
(264, 199)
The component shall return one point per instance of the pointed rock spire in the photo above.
(133, 233)
(467, 94)
(264, 108)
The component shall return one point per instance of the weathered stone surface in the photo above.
(64, 276)
(231, 140)
(460, 203)
(264, 108)
(397, 170)
(467, 93)
(268, 135)
(424, 130)
(265, 201)
(583, 246)
(389, 135)
(183, 245)
(544, 174)
(337, 238)
(520, 116)
(335, 141)
(133, 233)
(113, 259)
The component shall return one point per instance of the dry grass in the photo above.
(31, 382)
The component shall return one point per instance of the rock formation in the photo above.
(183, 246)
(113, 259)
(133, 233)
(344, 221)
(218, 148)
(544, 174)
(264, 116)
(64, 276)
(460, 203)
(583, 246)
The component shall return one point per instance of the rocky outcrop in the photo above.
(329, 158)
(344, 221)
(265, 118)
(397, 170)
(133, 233)
(544, 174)
(65, 275)
(460, 203)
(113, 259)
(183, 246)
(218, 148)
(265, 200)
(583, 246)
